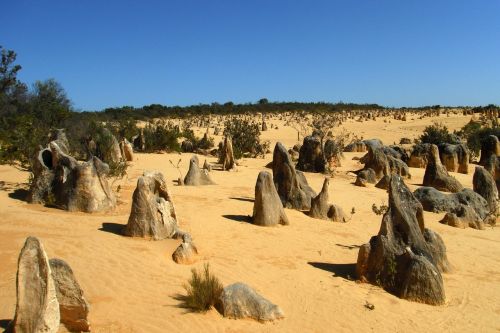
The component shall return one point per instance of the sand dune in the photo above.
(307, 268)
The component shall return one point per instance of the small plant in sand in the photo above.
(380, 210)
(203, 290)
(178, 169)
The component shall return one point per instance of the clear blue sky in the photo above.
(395, 53)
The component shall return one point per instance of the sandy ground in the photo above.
(306, 268)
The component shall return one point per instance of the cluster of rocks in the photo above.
(405, 258)
(60, 180)
(48, 294)
(464, 208)
(380, 162)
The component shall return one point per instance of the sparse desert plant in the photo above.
(438, 133)
(245, 136)
(202, 290)
(380, 210)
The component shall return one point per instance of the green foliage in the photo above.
(474, 133)
(436, 134)
(202, 290)
(380, 210)
(162, 136)
(245, 136)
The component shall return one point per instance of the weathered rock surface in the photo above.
(455, 158)
(238, 301)
(490, 146)
(152, 214)
(126, 150)
(436, 174)
(227, 155)
(62, 181)
(484, 184)
(493, 167)
(197, 176)
(311, 157)
(365, 176)
(267, 209)
(321, 208)
(73, 307)
(464, 208)
(405, 258)
(358, 146)
(419, 156)
(207, 166)
(291, 185)
(187, 252)
(37, 308)
(139, 141)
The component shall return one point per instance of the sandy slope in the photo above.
(306, 267)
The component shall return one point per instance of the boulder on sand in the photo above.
(73, 307)
(455, 158)
(311, 156)
(186, 253)
(126, 150)
(267, 208)
(227, 155)
(239, 301)
(405, 258)
(321, 208)
(484, 184)
(197, 176)
(152, 214)
(436, 174)
(490, 146)
(37, 308)
(62, 181)
(292, 186)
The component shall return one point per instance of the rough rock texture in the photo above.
(292, 186)
(463, 217)
(207, 166)
(376, 160)
(365, 176)
(484, 184)
(73, 307)
(384, 182)
(311, 157)
(419, 156)
(332, 152)
(37, 308)
(62, 181)
(403, 152)
(197, 176)
(238, 301)
(455, 158)
(267, 208)
(139, 141)
(152, 214)
(493, 167)
(59, 136)
(115, 154)
(126, 150)
(405, 258)
(187, 252)
(226, 155)
(321, 208)
(436, 174)
(434, 201)
(398, 167)
(358, 146)
(489, 147)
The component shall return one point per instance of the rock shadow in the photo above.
(242, 199)
(346, 271)
(114, 228)
(239, 218)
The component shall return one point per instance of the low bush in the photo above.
(203, 290)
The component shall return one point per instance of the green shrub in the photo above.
(245, 136)
(436, 134)
(162, 136)
(474, 133)
(202, 290)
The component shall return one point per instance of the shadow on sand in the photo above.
(346, 271)
(239, 218)
(113, 228)
(242, 199)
